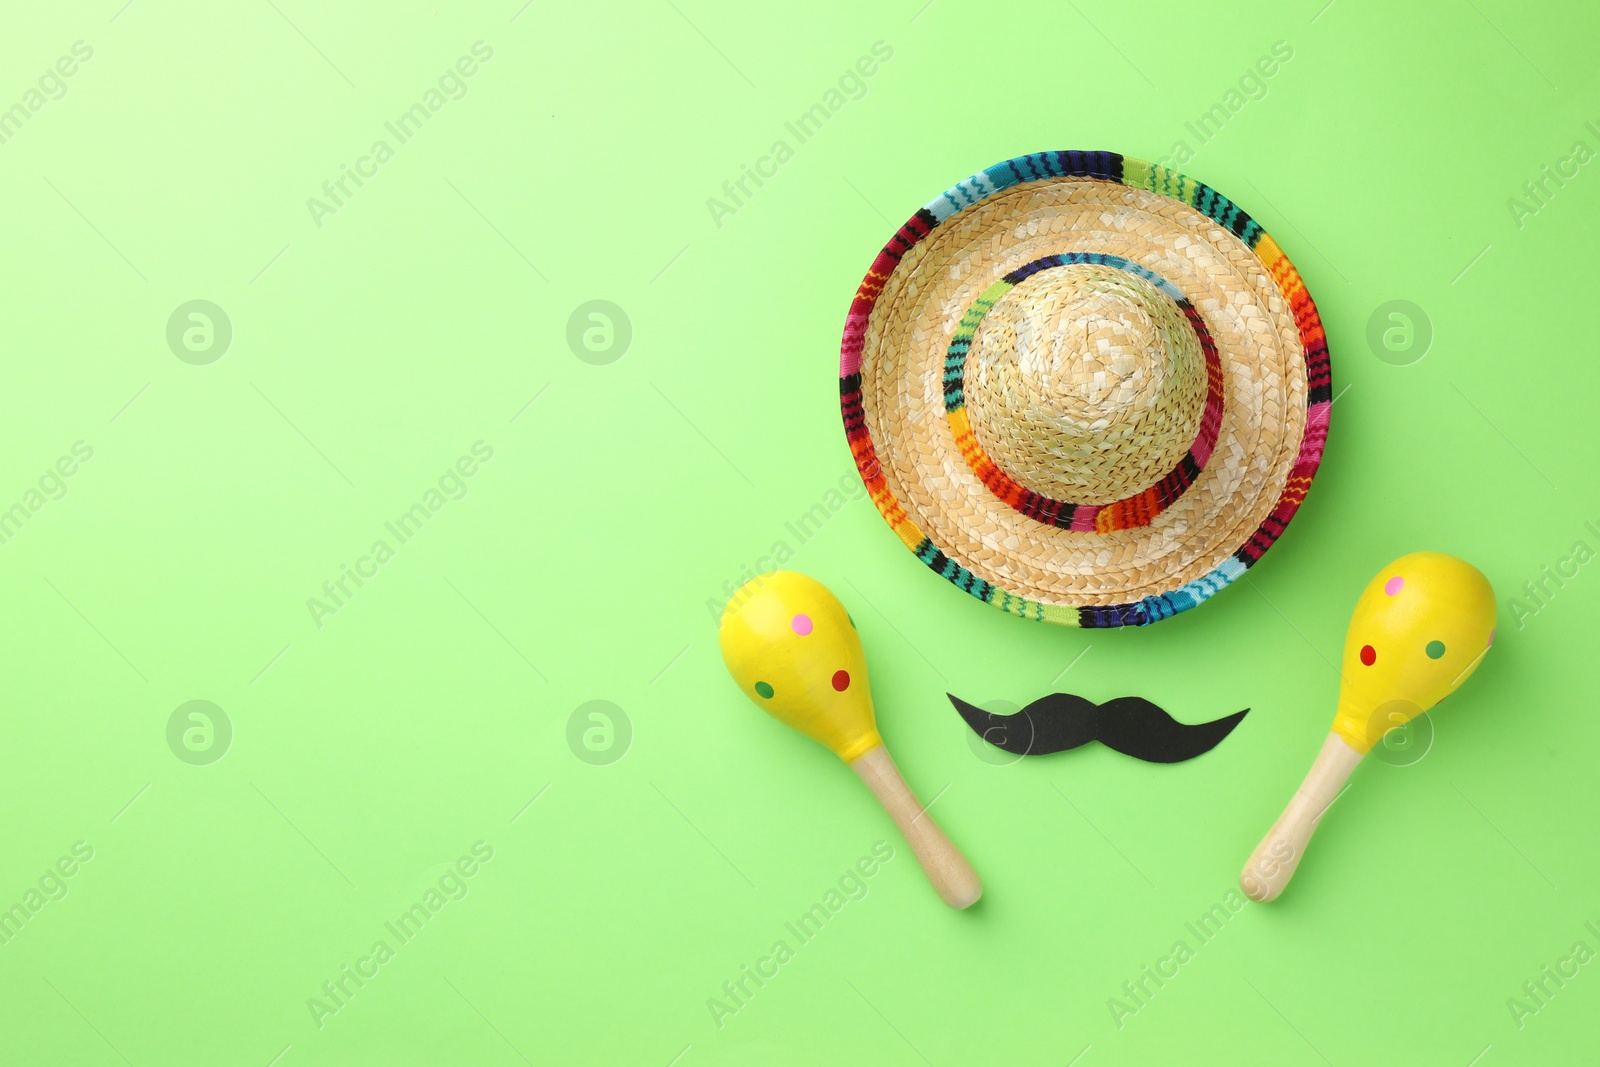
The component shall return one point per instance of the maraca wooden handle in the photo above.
(952, 876)
(1273, 862)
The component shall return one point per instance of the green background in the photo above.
(588, 556)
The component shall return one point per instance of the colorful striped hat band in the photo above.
(1085, 388)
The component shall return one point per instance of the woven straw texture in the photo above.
(1062, 390)
(1085, 389)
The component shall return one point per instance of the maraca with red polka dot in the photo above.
(1419, 630)
(794, 651)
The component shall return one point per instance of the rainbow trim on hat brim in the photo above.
(1111, 167)
(1139, 509)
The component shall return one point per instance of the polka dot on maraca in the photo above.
(801, 624)
(1435, 649)
(1369, 655)
(763, 689)
(1394, 585)
(841, 680)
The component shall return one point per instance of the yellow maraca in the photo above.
(795, 652)
(1420, 628)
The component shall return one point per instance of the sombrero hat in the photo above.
(1084, 388)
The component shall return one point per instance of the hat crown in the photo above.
(1085, 383)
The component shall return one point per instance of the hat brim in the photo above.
(1277, 395)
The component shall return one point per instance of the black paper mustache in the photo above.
(1131, 725)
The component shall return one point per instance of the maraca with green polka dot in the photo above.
(1420, 628)
(794, 651)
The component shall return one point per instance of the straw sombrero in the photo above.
(1085, 388)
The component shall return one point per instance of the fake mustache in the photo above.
(1131, 725)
